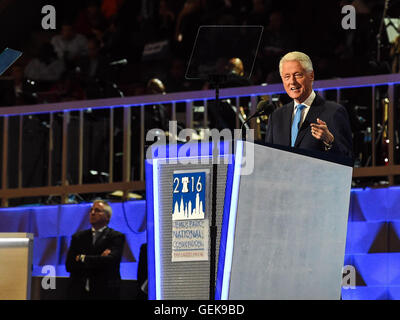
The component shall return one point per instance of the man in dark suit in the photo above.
(94, 257)
(309, 121)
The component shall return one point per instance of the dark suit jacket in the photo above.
(103, 272)
(336, 117)
(142, 272)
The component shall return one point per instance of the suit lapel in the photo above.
(312, 115)
(86, 241)
(102, 236)
(287, 120)
(87, 238)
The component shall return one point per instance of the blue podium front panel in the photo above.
(179, 197)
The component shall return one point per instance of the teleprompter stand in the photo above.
(213, 48)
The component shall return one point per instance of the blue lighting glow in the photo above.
(156, 231)
(54, 225)
(232, 221)
(224, 228)
(150, 232)
(373, 244)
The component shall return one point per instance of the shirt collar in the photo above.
(100, 230)
(308, 102)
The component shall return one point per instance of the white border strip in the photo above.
(232, 221)
(157, 257)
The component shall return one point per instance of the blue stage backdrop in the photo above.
(372, 246)
(53, 227)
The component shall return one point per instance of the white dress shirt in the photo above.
(94, 231)
(307, 103)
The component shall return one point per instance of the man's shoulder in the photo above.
(81, 233)
(329, 106)
(319, 101)
(284, 108)
(287, 105)
(335, 108)
(333, 104)
(115, 233)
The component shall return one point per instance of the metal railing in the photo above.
(61, 120)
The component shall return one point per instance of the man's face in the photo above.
(297, 81)
(98, 218)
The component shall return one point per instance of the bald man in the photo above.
(94, 258)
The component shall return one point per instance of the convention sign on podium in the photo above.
(178, 194)
(189, 222)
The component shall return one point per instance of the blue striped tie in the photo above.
(296, 122)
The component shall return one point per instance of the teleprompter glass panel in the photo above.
(216, 45)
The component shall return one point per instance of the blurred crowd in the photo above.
(111, 48)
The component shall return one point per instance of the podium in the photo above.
(287, 231)
(16, 265)
(282, 220)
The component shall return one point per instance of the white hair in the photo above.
(106, 206)
(301, 57)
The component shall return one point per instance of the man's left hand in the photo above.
(321, 132)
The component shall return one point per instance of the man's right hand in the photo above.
(106, 253)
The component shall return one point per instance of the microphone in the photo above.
(121, 62)
(263, 108)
